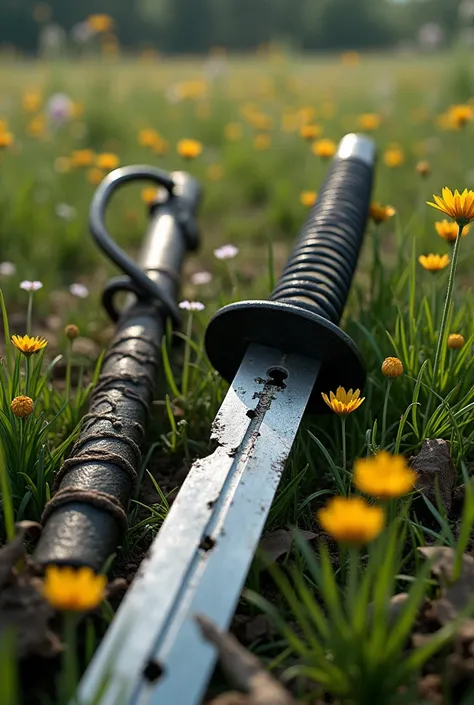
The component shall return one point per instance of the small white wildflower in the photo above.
(7, 269)
(31, 286)
(79, 290)
(199, 278)
(65, 211)
(226, 252)
(191, 305)
(59, 108)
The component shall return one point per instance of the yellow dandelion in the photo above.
(233, 131)
(458, 206)
(393, 157)
(189, 149)
(433, 263)
(261, 142)
(308, 198)
(75, 590)
(384, 476)
(148, 137)
(460, 115)
(380, 213)
(28, 345)
(310, 132)
(423, 168)
(31, 102)
(160, 147)
(82, 157)
(448, 230)
(6, 139)
(37, 126)
(22, 407)
(100, 22)
(392, 367)
(352, 520)
(107, 161)
(350, 58)
(324, 148)
(369, 121)
(95, 175)
(342, 402)
(215, 172)
(149, 195)
(455, 341)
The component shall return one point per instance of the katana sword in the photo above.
(279, 355)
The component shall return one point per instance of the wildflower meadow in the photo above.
(361, 592)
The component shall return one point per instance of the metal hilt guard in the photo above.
(305, 308)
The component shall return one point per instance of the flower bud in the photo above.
(22, 407)
(72, 331)
(392, 367)
(455, 341)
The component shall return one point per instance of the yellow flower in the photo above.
(6, 139)
(107, 161)
(262, 142)
(78, 590)
(28, 345)
(310, 132)
(423, 168)
(393, 157)
(148, 137)
(459, 206)
(149, 195)
(306, 115)
(449, 230)
(392, 367)
(460, 115)
(433, 263)
(352, 520)
(343, 402)
(22, 407)
(455, 341)
(380, 213)
(31, 102)
(260, 121)
(384, 476)
(369, 121)
(160, 147)
(233, 131)
(37, 126)
(324, 148)
(308, 198)
(95, 175)
(82, 157)
(189, 149)
(215, 172)
(100, 22)
(350, 58)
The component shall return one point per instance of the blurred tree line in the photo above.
(196, 25)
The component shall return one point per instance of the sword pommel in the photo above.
(306, 305)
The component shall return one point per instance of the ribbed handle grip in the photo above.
(319, 271)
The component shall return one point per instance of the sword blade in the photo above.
(153, 653)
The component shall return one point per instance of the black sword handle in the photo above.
(305, 308)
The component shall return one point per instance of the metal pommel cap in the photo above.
(304, 310)
(358, 147)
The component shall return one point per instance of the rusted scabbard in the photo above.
(86, 517)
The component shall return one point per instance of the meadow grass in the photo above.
(252, 199)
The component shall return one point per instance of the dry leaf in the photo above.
(14, 550)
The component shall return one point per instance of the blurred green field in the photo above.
(251, 196)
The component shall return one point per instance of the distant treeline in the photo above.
(193, 26)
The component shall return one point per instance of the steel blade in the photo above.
(153, 652)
